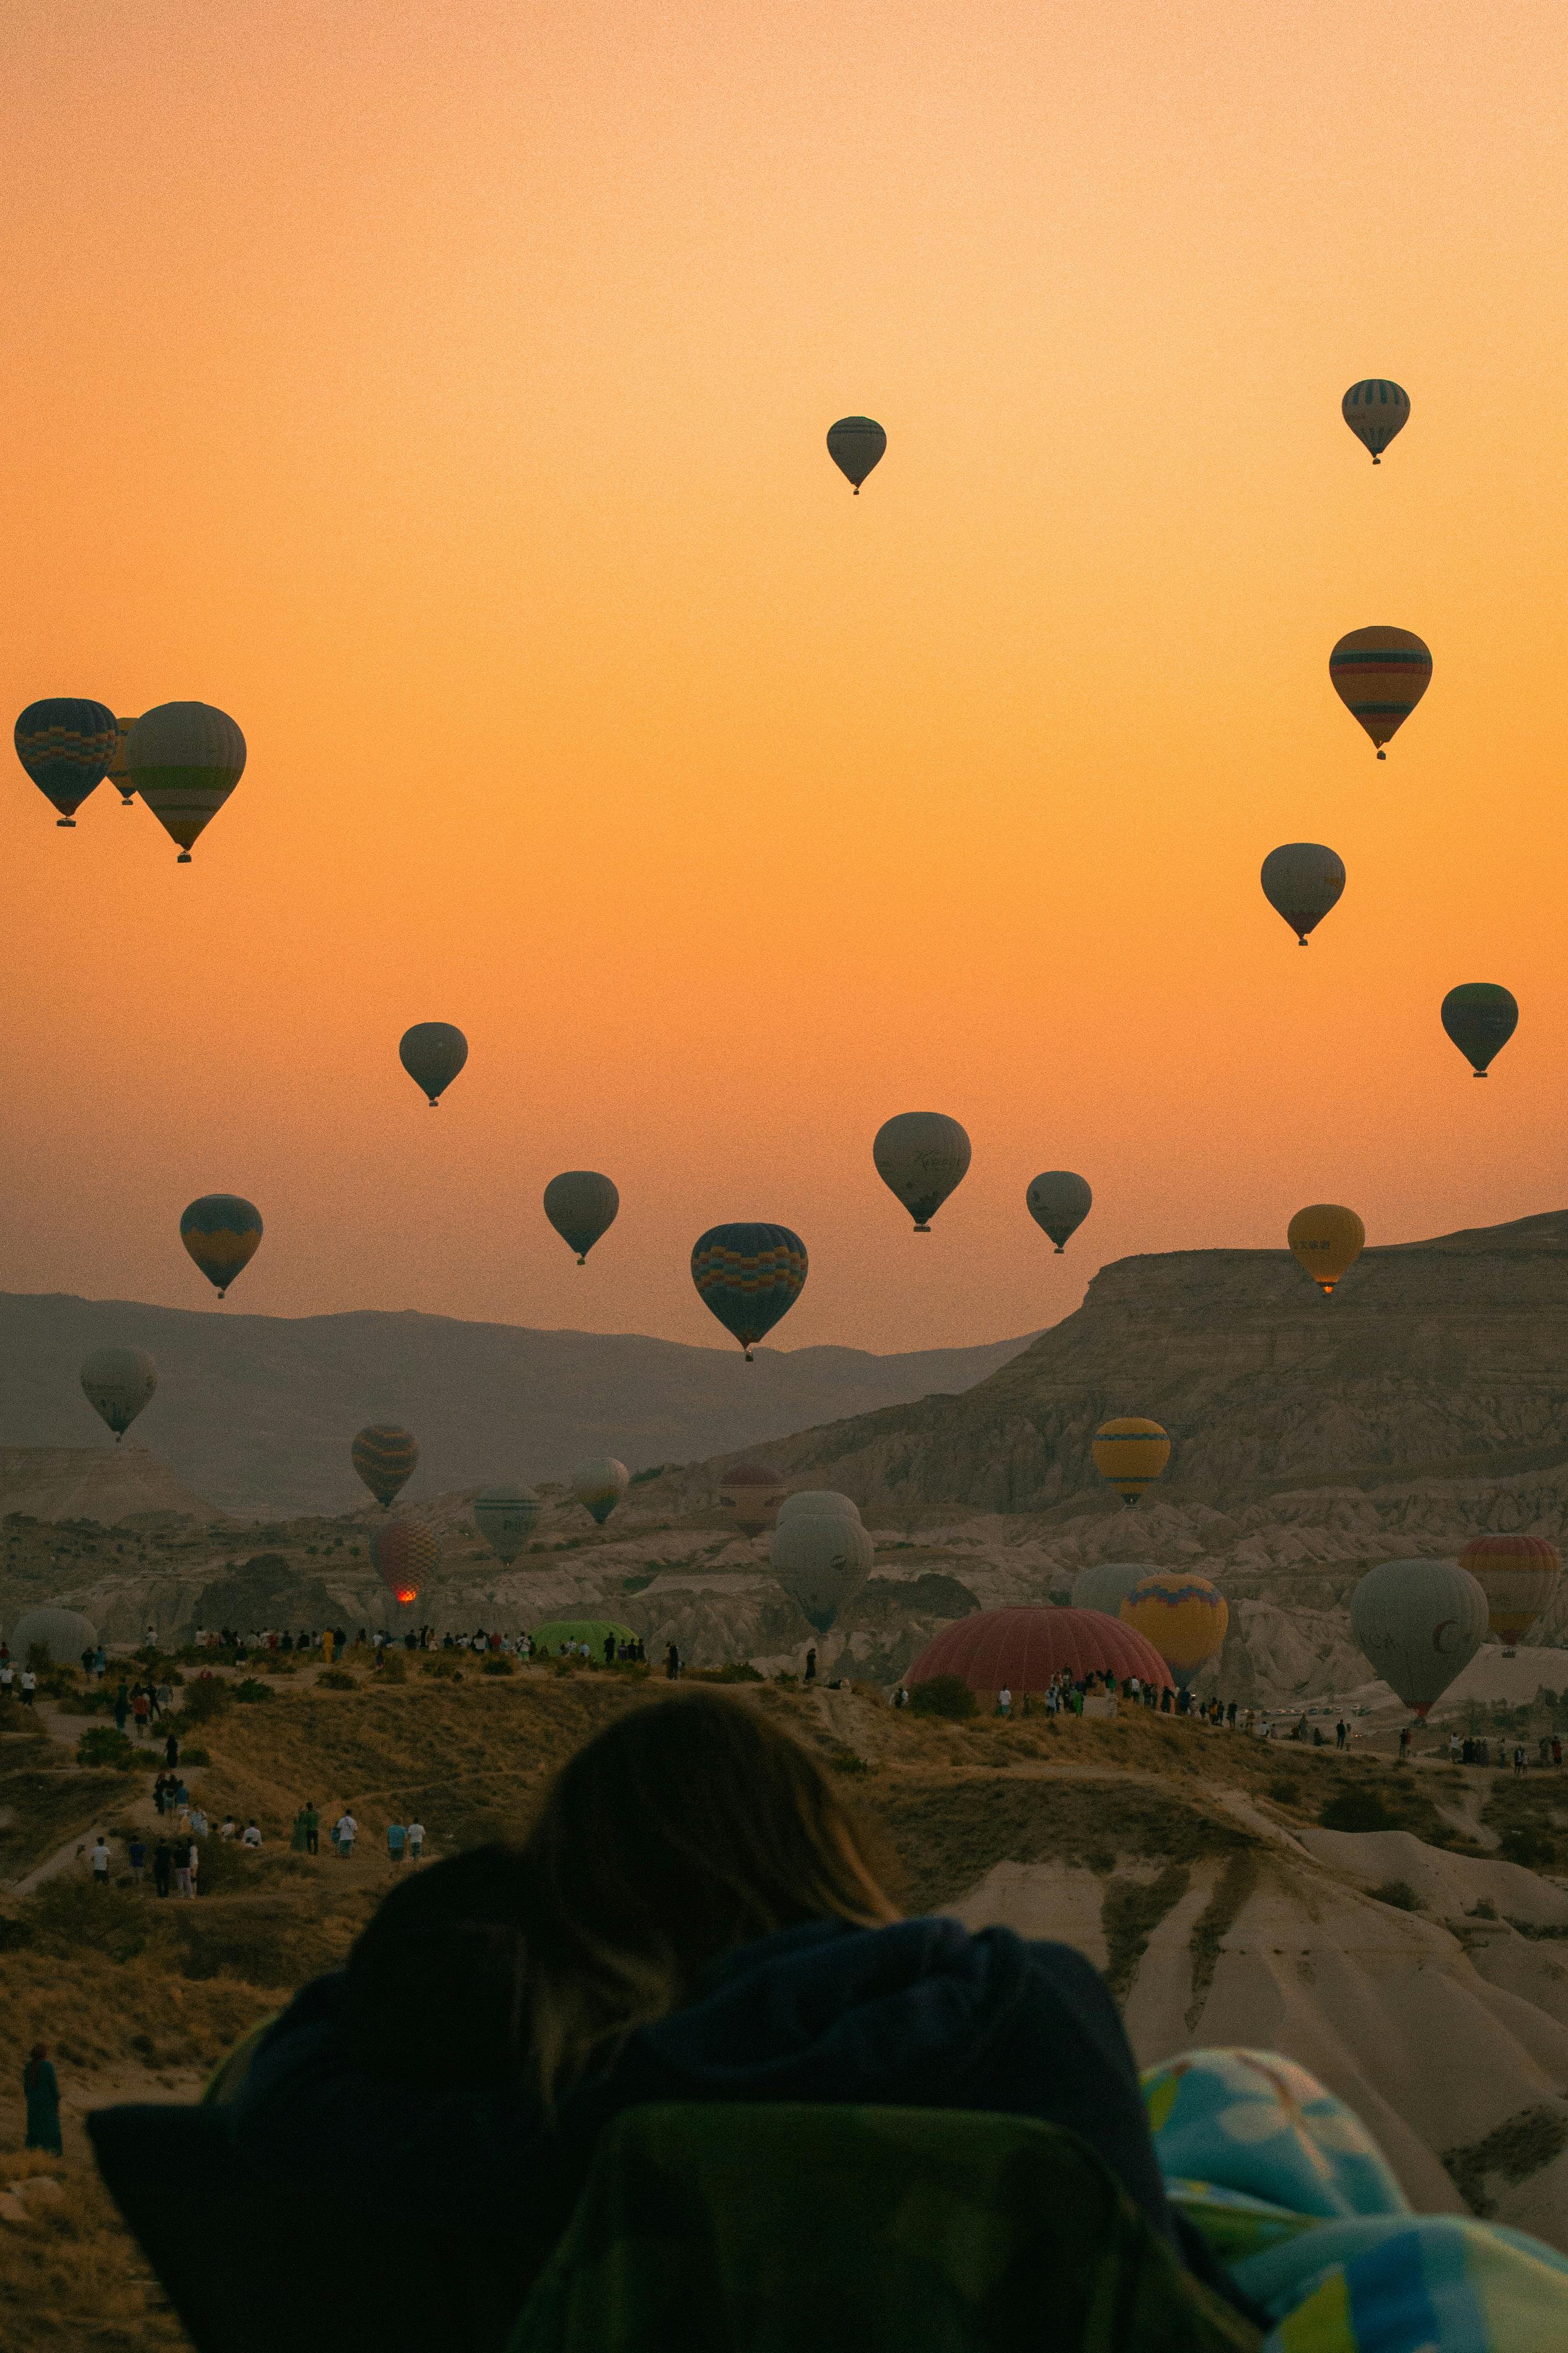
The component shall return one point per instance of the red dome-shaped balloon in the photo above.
(1021, 1648)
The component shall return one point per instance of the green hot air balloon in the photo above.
(1419, 1623)
(581, 1205)
(1059, 1203)
(66, 745)
(1480, 1018)
(222, 1231)
(921, 1156)
(748, 1276)
(1303, 881)
(506, 1517)
(384, 1457)
(599, 1483)
(184, 759)
(432, 1054)
(1375, 411)
(855, 444)
(117, 1383)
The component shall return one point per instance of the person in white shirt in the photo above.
(1003, 1702)
(226, 1829)
(198, 1822)
(416, 1840)
(100, 1862)
(252, 1835)
(30, 1686)
(7, 1680)
(345, 1829)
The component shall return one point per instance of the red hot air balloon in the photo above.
(1021, 1648)
(405, 1556)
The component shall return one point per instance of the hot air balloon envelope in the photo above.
(1302, 881)
(748, 1276)
(752, 1494)
(1380, 675)
(1419, 1623)
(432, 1054)
(117, 1383)
(855, 445)
(222, 1231)
(1184, 1616)
(581, 1205)
(1518, 1577)
(1327, 1240)
(64, 1633)
(1130, 1453)
(599, 1483)
(1024, 1647)
(116, 774)
(822, 1558)
(66, 745)
(1375, 411)
(184, 759)
(811, 1499)
(921, 1156)
(384, 1457)
(1480, 1018)
(1107, 1585)
(1059, 1203)
(404, 1555)
(506, 1517)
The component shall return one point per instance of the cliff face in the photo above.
(1445, 1358)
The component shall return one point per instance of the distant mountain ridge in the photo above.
(255, 1412)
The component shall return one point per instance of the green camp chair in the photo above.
(741, 2229)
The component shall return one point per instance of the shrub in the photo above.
(102, 1745)
(395, 1666)
(948, 1696)
(848, 1761)
(1356, 1810)
(335, 1679)
(251, 1689)
(439, 1663)
(738, 1671)
(498, 1664)
(1399, 1893)
(194, 1756)
(203, 1700)
(68, 1913)
(1284, 1793)
(1527, 1845)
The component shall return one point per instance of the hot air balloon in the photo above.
(1380, 675)
(432, 1054)
(822, 1558)
(809, 1500)
(1184, 1616)
(1375, 411)
(921, 1156)
(1480, 1018)
(580, 1205)
(1130, 1453)
(1518, 1577)
(64, 1633)
(748, 1276)
(599, 1483)
(751, 1495)
(117, 1383)
(1024, 1648)
(1107, 1585)
(1059, 1203)
(116, 769)
(506, 1517)
(1327, 1240)
(855, 445)
(1303, 881)
(384, 1457)
(184, 759)
(222, 1233)
(1420, 1623)
(404, 1555)
(66, 745)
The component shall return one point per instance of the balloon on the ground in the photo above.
(1418, 1623)
(595, 1632)
(1302, 881)
(822, 1558)
(1327, 1239)
(855, 445)
(1130, 1453)
(117, 1383)
(222, 1231)
(1380, 675)
(921, 1156)
(1023, 1647)
(64, 1633)
(184, 759)
(1107, 1585)
(807, 1501)
(116, 774)
(599, 1483)
(506, 1517)
(1518, 1577)
(384, 1455)
(404, 1555)
(1184, 1616)
(581, 1205)
(432, 1054)
(1375, 411)
(66, 745)
(1059, 1203)
(1480, 1018)
(748, 1276)
(751, 1495)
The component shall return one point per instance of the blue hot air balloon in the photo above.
(66, 745)
(222, 1232)
(749, 1276)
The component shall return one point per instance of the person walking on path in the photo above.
(163, 1866)
(396, 1839)
(41, 2087)
(345, 1829)
(99, 1858)
(121, 1706)
(297, 1837)
(30, 1686)
(1003, 1702)
(251, 1836)
(171, 1750)
(671, 1663)
(137, 1856)
(183, 1869)
(416, 1840)
(312, 1827)
(140, 1711)
(811, 1664)
(1518, 1764)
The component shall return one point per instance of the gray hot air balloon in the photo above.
(855, 444)
(921, 1156)
(1109, 1584)
(580, 1205)
(822, 1558)
(808, 1502)
(1302, 881)
(506, 1517)
(64, 1633)
(1059, 1202)
(432, 1054)
(117, 1383)
(599, 1483)
(1420, 1623)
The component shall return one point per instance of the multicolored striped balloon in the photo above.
(1185, 1617)
(66, 746)
(1375, 411)
(506, 1517)
(748, 1276)
(184, 759)
(1518, 1577)
(384, 1456)
(117, 775)
(1380, 675)
(222, 1232)
(1130, 1453)
(404, 1554)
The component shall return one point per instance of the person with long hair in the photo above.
(41, 2090)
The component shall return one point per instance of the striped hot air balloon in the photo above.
(384, 1456)
(506, 1517)
(66, 745)
(404, 1555)
(1375, 411)
(1518, 1577)
(116, 771)
(1130, 1453)
(222, 1231)
(1380, 675)
(748, 1276)
(1185, 1617)
(184, 759)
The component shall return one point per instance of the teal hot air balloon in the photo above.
(1418, 1623)
(506, 1517)
(385, 1456)
(222, 1232)
(855, 444)
(581, 1205)
(1375, 411)
(432, 1054)
(66, 745)
(184, 759)
(1480, 1018)
(1059, 1203)
(748, 1276)
(598, 1484)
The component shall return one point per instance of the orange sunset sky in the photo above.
(441, 389)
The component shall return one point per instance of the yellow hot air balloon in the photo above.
(1130, 1453)
(1327, 1240)
(1184, 1616)
(1518, 1577)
